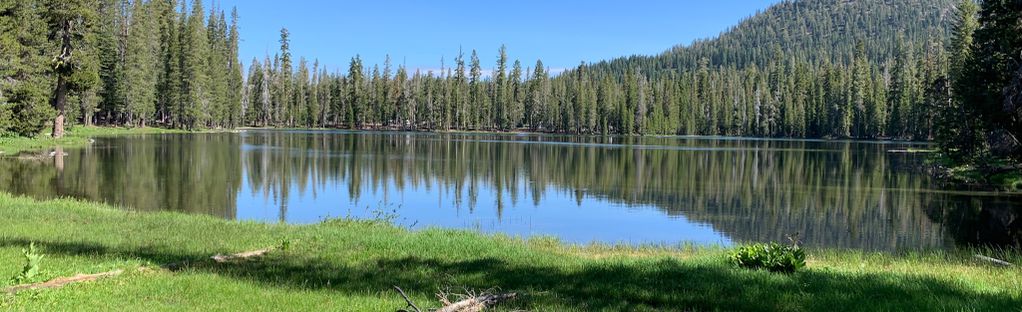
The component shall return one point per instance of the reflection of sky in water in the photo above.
(558, 214)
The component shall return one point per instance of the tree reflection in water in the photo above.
(835, 194)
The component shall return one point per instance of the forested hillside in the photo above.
(807, 30)
(815, 68)
(811, 68)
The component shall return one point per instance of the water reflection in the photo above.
(581, 189)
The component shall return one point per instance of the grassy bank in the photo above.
(76, 136)
(995, 174)
(351, 266)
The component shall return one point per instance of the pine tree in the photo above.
(284, 104)
(169, 85)
(539, 94)
(958, 129)
(303, 114)
(479, 98)
(356, 94)
(24, 76)
(254, 110)
(194, 70)
(217, 70)
(402, 95)
(234, 76)
(460, 93)
(396, 88)
(517, 95)
(111, 51)
(904, 92)
(501, 92)
(862, 115)
(141, 65)
(85, 80)
(70, 21)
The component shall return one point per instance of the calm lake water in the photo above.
(659, 190)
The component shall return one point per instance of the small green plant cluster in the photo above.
(773, 257)
(32, 261)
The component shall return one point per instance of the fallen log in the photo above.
(61, 281)
(241, 255)
(477, 303)
(994, 261)
(221, 258)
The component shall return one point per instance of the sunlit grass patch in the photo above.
(351, 264)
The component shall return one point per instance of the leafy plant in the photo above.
(32, 264)
(773, 257)
(285, 244)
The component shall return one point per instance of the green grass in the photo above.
(76, 136)
(352, 265)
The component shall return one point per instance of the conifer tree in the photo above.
(194, 70)
(110, 39)
(460, 92)
(141, 65)
(70, 22)
(24, 78)
(234, 77)
(355, 94)
(168, 87)
(283, 82)
(479, 97)
(539, 93)
(501, 91)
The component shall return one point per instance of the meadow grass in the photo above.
(76, 136)
(351, 265)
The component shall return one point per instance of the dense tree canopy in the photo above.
(983, 117)
(809, 68)
(117, 62)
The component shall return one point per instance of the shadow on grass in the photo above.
(662, 284)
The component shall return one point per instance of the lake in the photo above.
(628, 190)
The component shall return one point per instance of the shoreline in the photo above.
(76, 136)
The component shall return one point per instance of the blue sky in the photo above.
(419, 33)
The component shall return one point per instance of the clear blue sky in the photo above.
(419, 33)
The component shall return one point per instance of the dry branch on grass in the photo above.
(470, 303)
(241, 255)
(477, 303)
(994, 261)
(220, 258)
(61, 281)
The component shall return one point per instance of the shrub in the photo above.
(773, 257)
(32, 261)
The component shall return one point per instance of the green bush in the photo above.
(773, 257)
(32, 261)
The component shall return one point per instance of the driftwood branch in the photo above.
(994, 261)
(60, 282)
(409, 301)
(477, 303)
